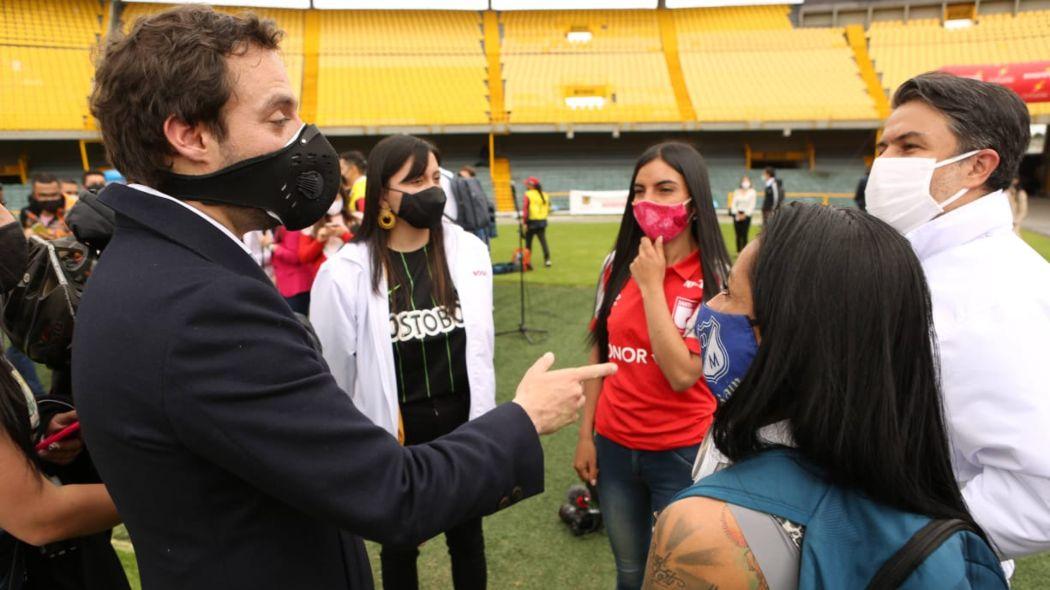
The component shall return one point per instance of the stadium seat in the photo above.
(622, 64)
(903, 50)
(746, 64)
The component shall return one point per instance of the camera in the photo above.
(581, 510)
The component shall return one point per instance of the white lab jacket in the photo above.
(353, 324)
(991, 308)
(743, 202)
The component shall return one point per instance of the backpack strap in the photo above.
(799, 489)
(913, 553)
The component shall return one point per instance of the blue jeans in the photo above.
(27, 369)
(632, 487)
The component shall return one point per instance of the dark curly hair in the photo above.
(170, 64)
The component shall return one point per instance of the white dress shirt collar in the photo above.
(984, 216)
(202, 214)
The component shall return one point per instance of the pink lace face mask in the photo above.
(666, 221)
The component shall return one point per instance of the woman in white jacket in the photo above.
(404, 315)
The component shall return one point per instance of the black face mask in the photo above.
(12, 256)
(52, 207)
(422, 210)
(94, 188)
(295, 184)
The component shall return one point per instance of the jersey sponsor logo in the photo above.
(691, 284)
(683, 311)
(419, 324)
(626, 354)
(481, 273)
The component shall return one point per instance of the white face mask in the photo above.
(746, 184)
(898, 191)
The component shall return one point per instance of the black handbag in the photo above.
(38, 313)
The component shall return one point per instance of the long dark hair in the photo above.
(714, 259)
(386, 158)
(14, 414)
(847, 357)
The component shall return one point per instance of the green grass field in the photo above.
(527, 546)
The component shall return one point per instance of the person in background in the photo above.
(94, 181)
(45, 215)
(353, 167)
(261, 245)
(3, 201)
(293, 278)
(470, 172)
(640, 429)
(480, 215)
(70, 192)
(774, 193)
(1018, 203)
(323, 239)
(858, 195)
(35, 512)
(429, 369)
(814, 353)
(742, 209)
(534, 213)
(948, 152)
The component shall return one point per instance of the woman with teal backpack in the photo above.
(829, 464)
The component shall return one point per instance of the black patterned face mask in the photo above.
(12, 256)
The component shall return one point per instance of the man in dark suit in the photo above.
(774, 193)
(231, 453)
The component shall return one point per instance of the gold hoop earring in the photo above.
(387, 220)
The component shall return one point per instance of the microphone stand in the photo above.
(522, 329)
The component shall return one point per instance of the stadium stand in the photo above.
(902, 50)
(411, 68)
(621, 65)
(45, 65)
(738, 68)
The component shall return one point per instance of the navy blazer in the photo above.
(232, 455)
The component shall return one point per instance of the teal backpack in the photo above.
(852, 541)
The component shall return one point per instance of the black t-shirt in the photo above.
(430, 352)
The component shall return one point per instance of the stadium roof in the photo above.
(477, 4)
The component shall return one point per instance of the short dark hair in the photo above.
(356, 159)
(981, 115)
(70, 181)
(469, 170)
(92, 172)
(43, 178)
(170, 64)
(771, 171)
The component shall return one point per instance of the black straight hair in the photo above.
(14, 414)
(714, 258)
(386, 158)
(847, 358)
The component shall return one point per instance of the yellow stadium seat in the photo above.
(904, 50)
(622, 64)
(747, 64)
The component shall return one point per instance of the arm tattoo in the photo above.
(689, 553)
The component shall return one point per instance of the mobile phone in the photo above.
(63, 434)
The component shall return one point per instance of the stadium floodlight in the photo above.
(244, 3)
(717, 3)
(572, 4)
(401, 4)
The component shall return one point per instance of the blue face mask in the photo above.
(728, 346)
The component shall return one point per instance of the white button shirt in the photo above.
(991, 308)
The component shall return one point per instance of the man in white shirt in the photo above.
(948, 150)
